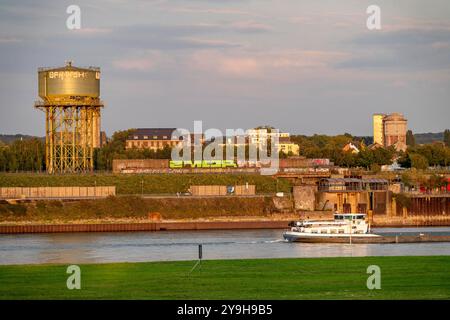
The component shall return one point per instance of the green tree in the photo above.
(410, 140)
(375, 168)
(447, 137)
(23, 155)
(418, 161)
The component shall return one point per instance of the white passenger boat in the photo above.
(346, 227)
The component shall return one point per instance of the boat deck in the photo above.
(381, 239)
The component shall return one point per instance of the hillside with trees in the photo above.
(10, 138)
(425, 138)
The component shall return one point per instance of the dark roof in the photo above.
(159, 134)
(150, 133)
(349, 180)
(375, 181)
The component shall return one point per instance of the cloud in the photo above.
(409, 49)
(148, 60)
(250, 26)
(215, 11)
(139, 64)
(92, 31)
(10, 40)
(399, 23)
(158, 37)
(262, 64)
(330, 18)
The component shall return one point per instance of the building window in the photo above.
(145, 137)
(136, 137)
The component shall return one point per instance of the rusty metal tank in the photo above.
(69, 83)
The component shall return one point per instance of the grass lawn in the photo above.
(318, 278)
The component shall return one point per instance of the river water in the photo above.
(74, 248)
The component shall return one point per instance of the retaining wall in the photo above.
(153, 226)
(56, 192)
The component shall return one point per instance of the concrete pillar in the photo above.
(393, 210)
(388, 205)
(370, 216)
(354, 202)
(340, 202)
(405, 213)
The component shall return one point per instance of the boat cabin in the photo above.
(349, 216)
(343, 223)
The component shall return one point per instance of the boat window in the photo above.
(313, 231)
(341, 231)
(323, 231)
(332, 230)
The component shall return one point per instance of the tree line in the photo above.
(416, 156)
(332, 147)
(22, 155)
(29, 154)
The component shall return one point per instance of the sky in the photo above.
(305, 67)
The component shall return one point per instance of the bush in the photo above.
(403, 200)
(418, 161)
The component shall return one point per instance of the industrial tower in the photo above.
(71, 102)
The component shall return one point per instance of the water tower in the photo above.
(71, 102)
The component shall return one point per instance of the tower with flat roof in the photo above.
(390, 130)
(378, 128)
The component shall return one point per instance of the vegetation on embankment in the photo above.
(318, 278)
(130, 207)
(144, 183)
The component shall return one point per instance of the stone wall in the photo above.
(304, 197)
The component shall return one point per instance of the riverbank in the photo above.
(238, 223)
(138, 208)
(131, 213)
(144, 226)
(319, 278)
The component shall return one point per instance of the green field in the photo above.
(323, 278)
(146, 183)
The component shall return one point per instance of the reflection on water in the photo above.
(182, 245)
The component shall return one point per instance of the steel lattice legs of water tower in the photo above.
(72, 134)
